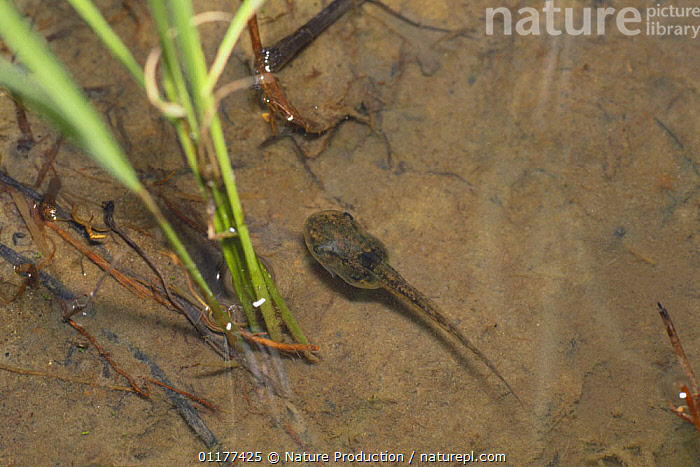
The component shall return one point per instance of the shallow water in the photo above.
(541, 190)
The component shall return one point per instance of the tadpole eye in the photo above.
(369, 260)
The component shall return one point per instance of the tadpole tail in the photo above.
(401, 289)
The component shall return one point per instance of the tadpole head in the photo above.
(344, 248)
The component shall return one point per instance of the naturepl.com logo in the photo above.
(657, 20)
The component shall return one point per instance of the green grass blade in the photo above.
(24, 86)
(173, 79)
(61, 99)
(239, 22)
(66, 100)
(104, 31)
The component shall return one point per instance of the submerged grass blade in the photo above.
(61, 99)
(194, 67)
(286, 315)
(48, 87)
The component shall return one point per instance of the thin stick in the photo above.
(678, 348)
(34, 228)
(191, 396)
(127, 282)
(74, 306)
(690, 399)
(274, 97)
(49, 156)
(277, 56)
(291, 348)
(143, 392)
(109, 220)
(30, 372)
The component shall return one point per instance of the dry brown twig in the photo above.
(692, 395)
